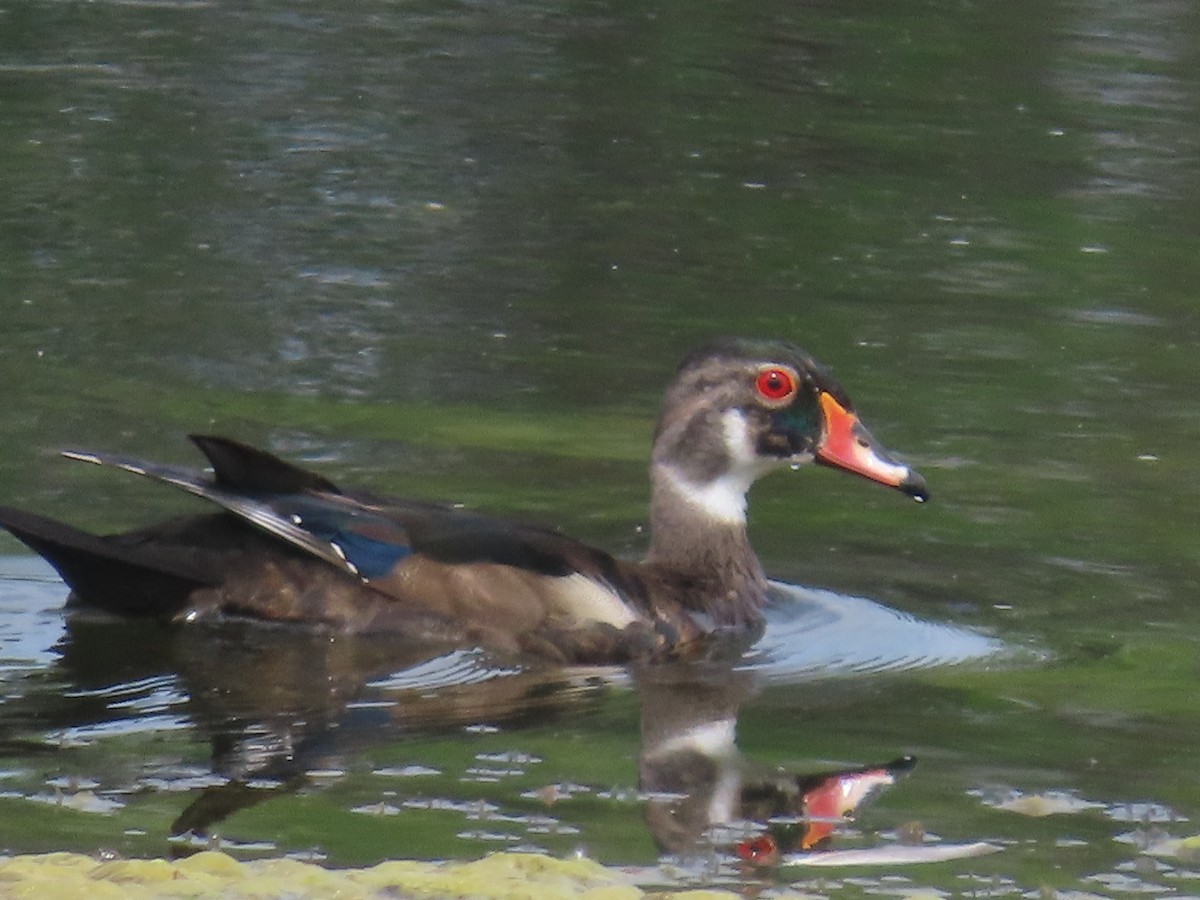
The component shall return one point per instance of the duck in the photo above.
(288, 545)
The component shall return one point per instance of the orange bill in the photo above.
(848, 445)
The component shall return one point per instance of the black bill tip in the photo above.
(914, 486)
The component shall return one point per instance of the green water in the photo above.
(455, 250)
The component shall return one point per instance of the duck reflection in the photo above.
(697, 780)
(279, 703)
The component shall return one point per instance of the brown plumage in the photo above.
(290, 545)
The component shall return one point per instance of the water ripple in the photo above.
(813, 633)
(453, 669)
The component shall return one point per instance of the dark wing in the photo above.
(266, 512)
(361, 536)
(459, 537)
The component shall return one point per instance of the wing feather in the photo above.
(260, 512)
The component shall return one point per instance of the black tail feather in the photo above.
(240, 467)
(107, 572)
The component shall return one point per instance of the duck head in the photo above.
(739, 409)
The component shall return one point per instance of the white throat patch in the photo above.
(724, 498)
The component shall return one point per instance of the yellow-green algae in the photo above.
(503, 876)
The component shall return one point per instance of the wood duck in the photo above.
(289, 545)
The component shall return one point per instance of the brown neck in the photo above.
(707, 555)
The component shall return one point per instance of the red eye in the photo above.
(758, 849)
(775, 384)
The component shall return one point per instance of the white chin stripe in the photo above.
(713, 739)
(724, 498)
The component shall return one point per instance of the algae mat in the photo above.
(503, 876)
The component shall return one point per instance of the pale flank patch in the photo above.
(585, 600)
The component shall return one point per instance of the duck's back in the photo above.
(293, 547)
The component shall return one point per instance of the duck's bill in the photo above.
(848, 445)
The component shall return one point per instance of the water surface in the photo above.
(455, 251)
